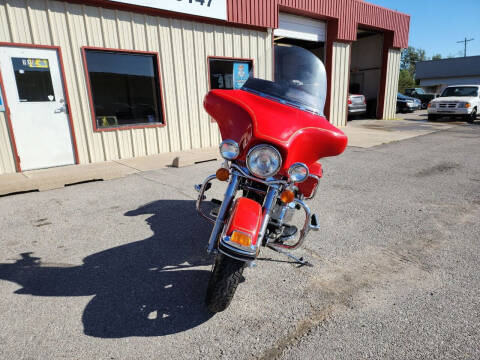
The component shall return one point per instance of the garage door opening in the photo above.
(366, 69)
(301, 31)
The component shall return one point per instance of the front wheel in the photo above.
(472, 117)
(225, 277)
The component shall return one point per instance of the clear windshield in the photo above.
(460, 91)
(300, 80)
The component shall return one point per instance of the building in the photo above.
(436, 75)
(96, 80)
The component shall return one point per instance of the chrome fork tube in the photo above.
(267, 209)
(229, 195)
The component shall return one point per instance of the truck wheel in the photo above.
(225, 277)
(472, 117)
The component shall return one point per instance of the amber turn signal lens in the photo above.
(287, 196)
(241, 239)
(467, 105)
(222, 174)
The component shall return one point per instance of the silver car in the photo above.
(357, 105)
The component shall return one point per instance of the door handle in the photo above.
(61, 109)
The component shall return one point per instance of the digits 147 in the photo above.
(200, 1)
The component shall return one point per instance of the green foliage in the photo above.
(405, 81)
(410, 56)
(437, 57)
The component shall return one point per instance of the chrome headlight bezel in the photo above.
(276, 154)
(295, 167)
(232, 153)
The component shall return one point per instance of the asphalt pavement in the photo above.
(117, 269)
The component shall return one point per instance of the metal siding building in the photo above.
(435, 75)
(182, 43)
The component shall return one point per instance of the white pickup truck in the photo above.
(458, 100)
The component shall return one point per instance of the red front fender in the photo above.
(246, 217)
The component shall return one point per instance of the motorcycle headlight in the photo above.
(229, 150)
(298, 172)
(264, 161)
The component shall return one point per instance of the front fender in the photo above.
(245, 219)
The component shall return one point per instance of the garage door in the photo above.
(302, 28)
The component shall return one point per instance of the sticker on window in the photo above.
(240, 74)
(2, 106)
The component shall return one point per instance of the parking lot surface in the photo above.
(118, 269)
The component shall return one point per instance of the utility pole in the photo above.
(465, 42)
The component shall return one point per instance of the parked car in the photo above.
(407, 104)
(357, 105)
(458, 100)
(420, 94)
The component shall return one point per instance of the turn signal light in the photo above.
(429, 105)
(287, 196)
(222, 174)
(467, 105)
(241, 239)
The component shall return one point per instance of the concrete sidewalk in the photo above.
(53, 178)
(361, 133)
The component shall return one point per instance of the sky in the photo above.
(437, 25)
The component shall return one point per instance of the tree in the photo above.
(405, 81)
(437, 57)
(410, 56)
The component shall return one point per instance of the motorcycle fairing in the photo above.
(249, 119)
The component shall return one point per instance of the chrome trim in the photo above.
(265, 146)
(201, 191)
(265, 182)
(219, 223)
(234, 257)
(231, 246)
(316, 187)
(303, 233)
(296, 165)
(231, 142)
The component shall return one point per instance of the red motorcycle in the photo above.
(273, 132)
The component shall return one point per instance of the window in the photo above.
(460, 91)
(229, 73)
(34, 82)
(125, 88)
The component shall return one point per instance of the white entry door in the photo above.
(38, 110)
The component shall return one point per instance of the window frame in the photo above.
(90, 95)
(213, 57)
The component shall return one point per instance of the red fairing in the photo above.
(246, 217)
(250, 119)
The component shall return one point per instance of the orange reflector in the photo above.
(467, 105)
(241, 238)
(287, 196)
(222, 174)
(429, 105)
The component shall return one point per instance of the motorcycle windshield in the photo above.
(300, 80)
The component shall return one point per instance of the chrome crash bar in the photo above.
(310, 224)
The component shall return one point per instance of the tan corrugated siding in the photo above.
(183, 47)
(340, 79)
(391, 88)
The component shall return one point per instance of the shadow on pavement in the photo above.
(144, 288)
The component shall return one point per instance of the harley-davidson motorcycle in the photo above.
(274, 133)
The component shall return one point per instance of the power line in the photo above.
(465, 42)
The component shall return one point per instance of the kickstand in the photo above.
(300, 261)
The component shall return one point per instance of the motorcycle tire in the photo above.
(225, 277)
